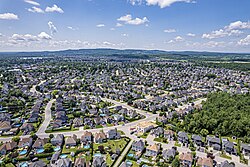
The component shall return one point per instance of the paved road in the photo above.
(47, 118)
(33, 88)
(124, 153)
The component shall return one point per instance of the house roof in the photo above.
(208, 162)
(186, 157)
(8, 146)
(153, 147)
(39, 142)
(145, 124)
(197, 137)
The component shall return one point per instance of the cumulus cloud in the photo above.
(52, 28)
(32, 2)
(176, 39)
(119, 25)
(234, 28)
(161, 3)
(191, 35)
(54, 8)
(100, 25)
(15, 38)
(44, 35)
(8, 16)
(127, 19)
(245, 41)
(170, 30)
(35, 10)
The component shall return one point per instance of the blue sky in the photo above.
(202, 25)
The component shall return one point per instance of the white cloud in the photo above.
(166, 3)
(44, 35)
(52, 28)
(127, 19)
(72, 28)
(119, 25)
(32, 2)
(238, 25)
(100, 25)
(8, 16)
(1, 34)
(124, 35)
(245, 41)
(112, 29)
(191, 35)
(16, 38)
(35, 10)
(178, 39)
(233, 28)
(135, 2)
(54, 8)
(170, 30)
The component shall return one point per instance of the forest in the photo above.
(223, 114)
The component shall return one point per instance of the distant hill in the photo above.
(133, 53)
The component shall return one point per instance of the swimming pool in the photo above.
(129, 163)
(58, 148)
(86, 147)
(97, 155)
(40, 150)
(23, 152)
(130, 155)
(24, 164)
(63, 156)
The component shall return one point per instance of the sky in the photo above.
(171, 25)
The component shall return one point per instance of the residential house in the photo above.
(169, 134)
(197, 140)
(86, 137)
(65, 162)
(204, 162)
(144, 127)
(138, 146)
(71, 141)
(227, 164)
(39, 143)
(54, 158)
(39, 163)
(229, 147)
(99, 162)
(27, 127)
(186, 159)
(158, 132)
(5, 126)
(183, 137)
(57, 140)
(169, 154)
(113, 134)
(100, 137)
(152, 150)
(245, 148)
(7, 147)
(25, 142)
(77, 122)
(81, 162)
(214, 142)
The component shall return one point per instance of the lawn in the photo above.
(69, 150)
(224, 155)
(10, 165)
(177, 144)
(144, 135)
(161, 140)
(113, 144)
